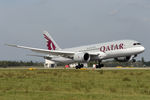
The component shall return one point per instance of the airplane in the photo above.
(121, 50)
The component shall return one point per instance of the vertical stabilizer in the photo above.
(51, 44)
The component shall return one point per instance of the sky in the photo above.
(71, 23)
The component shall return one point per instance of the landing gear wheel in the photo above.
(79, 66)
(99, 65)
(133, 60)
(102, 65)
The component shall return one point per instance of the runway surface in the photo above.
(126, 68)
(104, 68)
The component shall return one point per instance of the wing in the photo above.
(45, 57)
(44, 51)
(67, 54)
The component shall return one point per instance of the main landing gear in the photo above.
(79, 66)
(99, 65)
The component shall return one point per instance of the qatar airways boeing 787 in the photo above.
(122, 50)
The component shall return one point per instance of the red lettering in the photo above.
(116, 47)
(103, 49)
(108, 49)
(121, 46)
(112, 47)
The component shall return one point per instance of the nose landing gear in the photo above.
(133, 60)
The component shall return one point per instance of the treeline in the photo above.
(114, 63)
(19, 63)
(140, 63)
(124, 64)
(147, 63)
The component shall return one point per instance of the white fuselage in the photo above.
(125, 49)
(121, 48)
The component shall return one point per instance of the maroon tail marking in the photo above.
(50, 44)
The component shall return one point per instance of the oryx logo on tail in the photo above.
(51, 44)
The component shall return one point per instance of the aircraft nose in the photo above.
(141, 49)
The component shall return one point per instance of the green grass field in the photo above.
(60, 84)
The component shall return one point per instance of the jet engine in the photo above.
(81, 57)
(123, 59)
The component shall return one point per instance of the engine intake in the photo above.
(81, 57)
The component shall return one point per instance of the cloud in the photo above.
(114, 12)
(146, 19)
(43, 2)
(146, 6)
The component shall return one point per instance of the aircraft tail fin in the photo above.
(51, 44)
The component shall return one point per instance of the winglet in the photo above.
(11, 45)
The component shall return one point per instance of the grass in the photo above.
(22, 84)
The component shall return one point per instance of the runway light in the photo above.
(31, 69)
(119, 67)
(83, 69)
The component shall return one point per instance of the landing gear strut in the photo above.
(79, 66)
(134, 60)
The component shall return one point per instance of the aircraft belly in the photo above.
(62, 60)
(121, 53)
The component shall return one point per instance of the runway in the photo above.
(89, 68)
(126, 68)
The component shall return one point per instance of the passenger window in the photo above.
(137, 44)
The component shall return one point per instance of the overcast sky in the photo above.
(71, 23)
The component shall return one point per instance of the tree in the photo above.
(142, 60)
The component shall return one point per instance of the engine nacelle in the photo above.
(81, 57)
(123, 59)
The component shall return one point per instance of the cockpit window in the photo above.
(137, 44)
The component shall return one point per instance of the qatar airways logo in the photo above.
(50, 44)
(112, 47)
